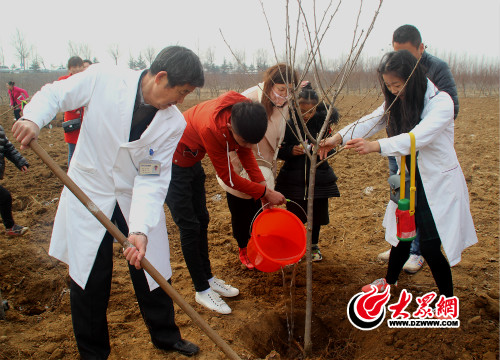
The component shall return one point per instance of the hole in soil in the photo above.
(270, 332)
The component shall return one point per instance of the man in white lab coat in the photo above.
(123, 163)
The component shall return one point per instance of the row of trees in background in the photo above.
(473, 75)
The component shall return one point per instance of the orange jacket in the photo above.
(72, 137)
(207, 133)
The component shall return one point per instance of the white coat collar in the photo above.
(431, 91)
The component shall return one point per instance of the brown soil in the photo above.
(38, 324)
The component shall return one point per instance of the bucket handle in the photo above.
(263, 206)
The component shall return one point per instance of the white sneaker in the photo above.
(220, 287)
(384, 256)
(414, 263)
(212, 301)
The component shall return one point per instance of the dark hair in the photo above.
(308, 95)
(87, 61)
(75, 61)
(181, 64)
(407, 33)
(249, 120)
(277, 74)
(11, 83)
(405, 113)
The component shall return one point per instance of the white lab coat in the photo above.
(441, 174)
(105, 166)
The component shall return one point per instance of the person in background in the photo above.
(17, 98)
(293, 178)
(86, 63)
(442, 213)
(273, 94)
(113, 166)
(73, 118)
(215, 127)
(407, 37)
(7, 150)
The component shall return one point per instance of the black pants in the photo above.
(242, 211)
(430, 246)
(186, 200)
(88, 306)
(17, 113)
(6, 207)
(431, 251)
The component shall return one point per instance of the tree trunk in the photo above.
(309, 302)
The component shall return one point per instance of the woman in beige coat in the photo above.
(273, 93)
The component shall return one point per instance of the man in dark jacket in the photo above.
(407, 37)
(7, 150)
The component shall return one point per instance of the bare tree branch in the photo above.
(22, 48)
(114, 52)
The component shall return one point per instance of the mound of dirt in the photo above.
(38, 323)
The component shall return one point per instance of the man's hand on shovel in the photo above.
(136, 252)
(24, 131)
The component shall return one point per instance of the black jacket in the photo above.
(439, 73)
(7, 150)
(293, 178)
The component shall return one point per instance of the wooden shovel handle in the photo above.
(146, 265)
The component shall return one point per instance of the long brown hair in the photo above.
(277, 74)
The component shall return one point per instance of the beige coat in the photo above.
(266, 150)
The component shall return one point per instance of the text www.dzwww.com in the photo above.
(423, 323)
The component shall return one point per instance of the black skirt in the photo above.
(320, 210)
(424, 220)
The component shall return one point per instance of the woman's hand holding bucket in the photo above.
(272, 197)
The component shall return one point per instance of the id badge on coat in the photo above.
(149, 166)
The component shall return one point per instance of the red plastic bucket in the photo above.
(278, 239)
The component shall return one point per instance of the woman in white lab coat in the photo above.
(442, 213)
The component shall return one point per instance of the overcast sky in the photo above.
(447, 26)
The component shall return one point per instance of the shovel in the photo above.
(2, 114)
(146, 265)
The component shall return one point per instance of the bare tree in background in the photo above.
(22, 48)
(79, 49)
(209, 60)
(150, 54)
(72, 49)
(261, 59)
(240, 61)
(2, 58)
(85, 51)
(114, 52)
